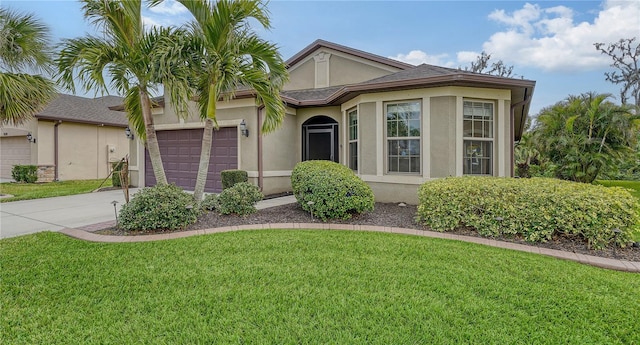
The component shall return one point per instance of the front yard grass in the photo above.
(634, 186)
(26, 191)
(305, 287)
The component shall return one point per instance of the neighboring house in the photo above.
(396, 125)
(72, 138)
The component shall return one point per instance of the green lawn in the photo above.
(25, 191)
(305, 287)
(634, 186)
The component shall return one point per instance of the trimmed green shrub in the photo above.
(239, 199)
(536, 208)
(231, 177)
(330, 190)
(25, 173)
(158, 207)
(115, 176)
(209, 203)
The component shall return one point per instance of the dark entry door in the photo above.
(320, 139)
(320, 144)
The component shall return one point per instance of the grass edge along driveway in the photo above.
(27, 191)
(309, 287)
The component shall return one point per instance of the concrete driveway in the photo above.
(30, 216)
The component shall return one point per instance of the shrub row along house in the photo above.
(396, 125)
(72, 138)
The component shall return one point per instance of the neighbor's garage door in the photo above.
(13, 151)
(180, 151)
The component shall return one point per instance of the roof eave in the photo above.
(87, 122)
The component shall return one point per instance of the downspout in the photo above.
(259, 133)
(526, 100)
(55, 149)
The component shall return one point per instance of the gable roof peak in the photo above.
(320, 43)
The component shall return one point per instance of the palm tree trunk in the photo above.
(205, 155)
(152, 139)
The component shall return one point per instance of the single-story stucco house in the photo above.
(396, 125)
(73, 138)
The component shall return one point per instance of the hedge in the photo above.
(537, 208)
(24, 173)
(330, 190)
(231, 177)
(158, 207)
(239, 199)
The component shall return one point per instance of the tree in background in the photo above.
(625, 54)
(24, 48)
(225, 55)
(135, 59)
(481, 65)
(586, 135)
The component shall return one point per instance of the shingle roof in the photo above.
(85, 110)
(311, 94)
(417, 72)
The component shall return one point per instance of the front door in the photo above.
(320, 144)
(320, 139)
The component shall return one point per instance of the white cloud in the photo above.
(548, 38)
(149, 22)
(466, 57)
(170, 7)
(417, 57)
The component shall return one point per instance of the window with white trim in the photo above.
(403, 136)
(353, 139)
(478, 137)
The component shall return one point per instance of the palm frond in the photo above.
(22, 96)
(24, 42)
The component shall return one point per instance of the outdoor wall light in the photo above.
(30, 138)
(128, 133)
(243, 128)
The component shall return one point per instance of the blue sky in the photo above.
(550, 42)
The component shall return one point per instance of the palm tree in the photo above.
(136, 61)
(23, 47)
(585, 134)
(228, 55)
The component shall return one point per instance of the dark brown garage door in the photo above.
(180, 151)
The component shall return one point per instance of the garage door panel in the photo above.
(13, 151)
(180, 151)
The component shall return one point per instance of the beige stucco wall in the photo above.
(301, 76)
(368, 155)
(339, 68)
(281, 146)
(443, 136)
(84, 150)
(344, 71)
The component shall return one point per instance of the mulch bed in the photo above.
(384, 214)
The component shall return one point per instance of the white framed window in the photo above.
(403, 120)
(478, 137)
(352, 115)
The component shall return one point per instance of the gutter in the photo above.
(260, 162)
(55, 149)
(526, 100)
